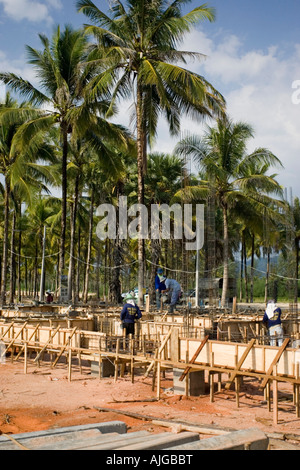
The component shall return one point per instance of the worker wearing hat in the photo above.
(159, 285)
(129, 314)
(272, 320)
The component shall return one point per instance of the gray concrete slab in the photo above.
(63, 433)
(161, 441)
(248, 439)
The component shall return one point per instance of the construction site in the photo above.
(195, 379)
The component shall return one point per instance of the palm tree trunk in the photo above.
(35, 289)
(5, 242)
(72, 240)
(245, 268)
(267, 276)
(225, 257)
(141, 165)
(242, 270)
(155, 255)
(77, 279)
(115, 285)
(12, 259)
(43, 270)
(252, 268)
(296, 269)
(64, 132)
(89, 248)
(19, 254)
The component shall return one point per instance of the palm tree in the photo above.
(22, 174)
(63, 79)
(222, 157)
(137, 50)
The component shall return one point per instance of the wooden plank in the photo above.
(240, 363)
(274, 362)
(186, 371)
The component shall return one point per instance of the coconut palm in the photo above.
(22, 174)
(222, 157)
(137, 50)
(62, 81)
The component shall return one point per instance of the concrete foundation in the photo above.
(196, 383)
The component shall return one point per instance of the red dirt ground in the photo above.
(44, 398)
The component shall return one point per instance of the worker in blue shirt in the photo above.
(272, 320)
(174, 288)
(129, 314)
(159, 285)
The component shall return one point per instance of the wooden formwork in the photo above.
(265, 363)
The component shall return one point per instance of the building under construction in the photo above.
(199, 348)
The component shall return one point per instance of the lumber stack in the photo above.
(101, 436)
(113, 436)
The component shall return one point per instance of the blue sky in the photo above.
(253, 59)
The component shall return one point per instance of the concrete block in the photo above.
(246, 439)
(107, 368)
(196, 383)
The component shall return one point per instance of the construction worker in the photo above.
(174, 288)
(129, 314)
(272, 320)
(159, 286)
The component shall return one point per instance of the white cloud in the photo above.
(257, 85)
(31, 10)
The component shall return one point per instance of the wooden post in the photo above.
(219, 382)
(158, 377)
(297, 393)
(237, 390)
(69, 364)
(116, 359)
(275, 396)
(100, 365)
(187, 375)
(132, 360)
(211, 386)
(154, 370)
(268, 395)
(25, 357)
(211, 378)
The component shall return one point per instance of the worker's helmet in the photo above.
(129, 297)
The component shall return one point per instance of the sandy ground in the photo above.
(44, 398)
